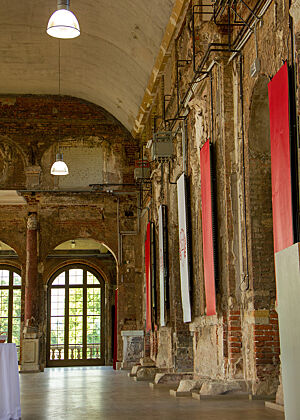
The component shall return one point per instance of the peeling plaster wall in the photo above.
(239, 342)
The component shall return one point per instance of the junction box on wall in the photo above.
(161, 146)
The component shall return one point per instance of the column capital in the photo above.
(32, 221)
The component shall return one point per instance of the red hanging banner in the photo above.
(148, 277)
(281, 160)
(207, 229)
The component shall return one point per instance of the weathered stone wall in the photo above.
(230, 108)
(98, 150)
(34, 128)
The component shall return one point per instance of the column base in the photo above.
(30, 353)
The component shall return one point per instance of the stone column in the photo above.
(31, 271)
(30, 342)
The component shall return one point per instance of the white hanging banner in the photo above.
(162, 288)
(183, 249)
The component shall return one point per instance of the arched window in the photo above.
(75, 317)
(10, 304)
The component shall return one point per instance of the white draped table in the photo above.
(10, 408)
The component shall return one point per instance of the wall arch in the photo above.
(60, 236)
(260, 196)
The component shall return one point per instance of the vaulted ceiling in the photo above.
(109, 64)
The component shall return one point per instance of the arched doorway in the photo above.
(10, 304)
(75, 320)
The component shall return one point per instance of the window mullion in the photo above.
(66, 347)
(84, 329)
(10, 307)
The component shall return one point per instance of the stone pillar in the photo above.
(31, 271)
(30, 344)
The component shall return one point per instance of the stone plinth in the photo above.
(30, 353)
(133, 347)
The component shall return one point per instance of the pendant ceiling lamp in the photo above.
(63, 23)
(59, 167)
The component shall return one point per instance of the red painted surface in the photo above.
(115, 357)
(148, 278)
(207, 230)
(31, 293)
(281, 160)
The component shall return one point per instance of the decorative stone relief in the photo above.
(11, 164)
(199, 105)
(6, 159)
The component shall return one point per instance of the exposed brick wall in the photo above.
(235, 342)
(267, 346)
(225, 338)
(30, 125)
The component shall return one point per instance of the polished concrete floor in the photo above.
(101, 393)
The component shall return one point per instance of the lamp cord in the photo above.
(59, 99)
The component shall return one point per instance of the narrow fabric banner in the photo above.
(183, 249)
(281, 160)
(148, 278)
(207, 229)
(162, 265)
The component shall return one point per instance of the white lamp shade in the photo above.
(63, 24)
(59, 167)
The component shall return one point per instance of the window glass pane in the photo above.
(4, 325)
(16, 331)
(3, 303)
(57, 302)
(4, 278)
(57, 323)
(17, 280)
(76, 276)
(75, 337)
(93, 329)
(93, 337)
(93, 301)
(91, 279)
(60, 280)
(75, 301)
(17, 303)
(57, 332)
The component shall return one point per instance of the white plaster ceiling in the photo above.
(109, 64)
